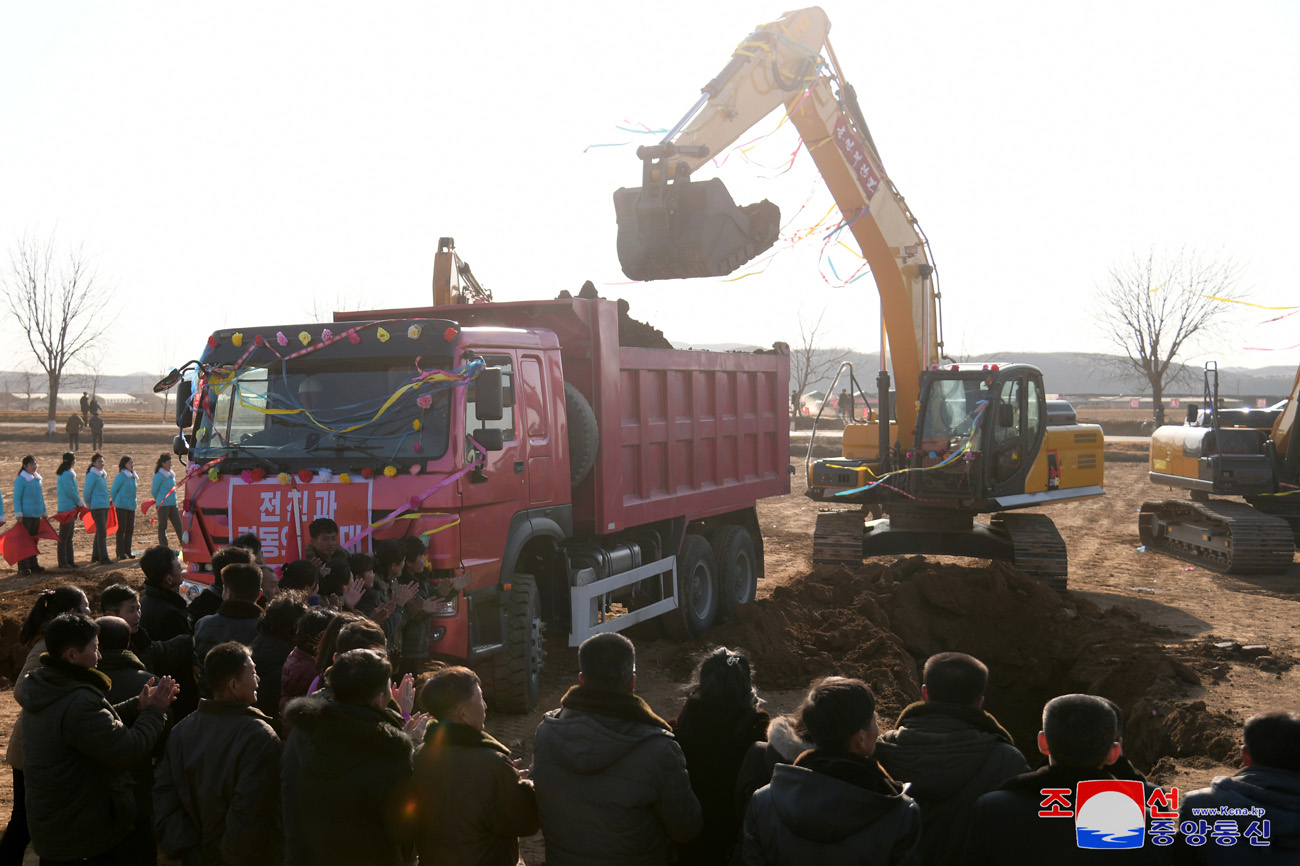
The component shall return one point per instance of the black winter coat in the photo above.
(1276, 792)
(128, 676)
(269, 654)
(831, 808)
(345, 777)
(715, 740)
(233, 621)
(950, 755)
(217, 799)
(472, 805)
(783, 746)
(1005, 829)
(162, 613)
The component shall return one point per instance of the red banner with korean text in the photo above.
(279, 514)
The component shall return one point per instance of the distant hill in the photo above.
(1078, 374)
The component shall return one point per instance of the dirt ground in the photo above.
(1188, 654)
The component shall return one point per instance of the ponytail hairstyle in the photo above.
(121, 464)
(49, 604)
(26, 461)
(68, 459)
(162, 458)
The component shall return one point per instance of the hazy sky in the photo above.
(245, 164)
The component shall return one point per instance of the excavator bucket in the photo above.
(690, 229)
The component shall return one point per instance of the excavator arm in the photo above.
(674, 227)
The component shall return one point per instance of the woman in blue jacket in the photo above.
(123, 496)
(69, 500)
(164, 497)
(29, 507)
(95, 492)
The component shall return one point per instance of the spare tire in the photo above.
(584, 434)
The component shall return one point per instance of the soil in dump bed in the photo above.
(880, 622)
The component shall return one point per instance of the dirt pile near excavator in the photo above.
(880, 622)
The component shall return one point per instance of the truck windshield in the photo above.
(320, 412)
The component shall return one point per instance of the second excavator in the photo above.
(948, 441)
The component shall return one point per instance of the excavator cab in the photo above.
(671, 228)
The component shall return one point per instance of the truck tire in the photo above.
(584, 434)
(737, 568)
(517, 670)
(698, 593)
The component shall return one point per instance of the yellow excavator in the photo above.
(956, 440)
(1248, 454)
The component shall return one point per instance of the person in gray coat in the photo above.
(217, 797)
(611, 781)
(78, 748)
(1265, 789)
(950, 750)
(833, 805)
(235, 620)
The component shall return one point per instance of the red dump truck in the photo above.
(557, 476)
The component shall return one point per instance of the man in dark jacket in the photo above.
(236, 620)
(271, 648)
(1079, 739)
(163, 616)
(346, 770)
(471, 801)
(207, 601)
(833, 804)
(127, 677)
(612, 785)
(170, 657)
(78, 748)
(950, 751)
(1267, 788)
(217, 799)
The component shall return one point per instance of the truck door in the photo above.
(536, 430)
(493, 495)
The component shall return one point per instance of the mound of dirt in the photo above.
(880, 622)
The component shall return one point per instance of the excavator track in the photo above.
(1038, 549)
(1030, 542)
(1223, 536)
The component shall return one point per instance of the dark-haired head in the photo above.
(114, 634)
(1273, 740)
(29, 464)
(607, 661)
(228, 556)
(69, 631)
(282, 615)
(241, 581)
(839, 714)
(360, 677)
(1079, 731)
(249, 541)
(412, 549)
(121, 464)
(328, 645)
(723, 678)
(112, 598)
(300, 574)
(163, 460)
(310, 627)
(955, 678)
(446, 689)
(49, 604)
(68, 460)
(389, 557)
(322, 526)
(223, 663)
(361, 634)
(157, 564)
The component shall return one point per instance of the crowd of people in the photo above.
(295, 719)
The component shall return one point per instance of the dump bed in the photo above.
(682, 432)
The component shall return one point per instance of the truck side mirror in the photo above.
(180, 445)
(1193, 410)
(488, 395)
(490, 438)
(1006, 415)
(184, 413)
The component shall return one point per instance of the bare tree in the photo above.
(322, 310)
(28, 376)
(1156, 306)
(59, 303)
(809, 362)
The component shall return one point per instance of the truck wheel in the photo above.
(584, 434)
(697, 591)
(737, 568)
(517, 671)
